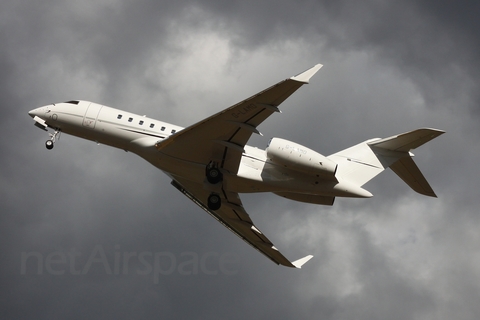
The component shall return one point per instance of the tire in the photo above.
(49, 144)
(214, 202)
(214, 175)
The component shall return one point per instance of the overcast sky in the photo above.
(72, 216)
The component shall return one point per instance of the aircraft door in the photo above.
(91, 115)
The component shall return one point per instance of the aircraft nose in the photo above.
(35, 112)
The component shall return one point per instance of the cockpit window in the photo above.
(73, 102)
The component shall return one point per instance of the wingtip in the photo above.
(306, 75)
(300, 262)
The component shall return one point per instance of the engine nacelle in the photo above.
(297, 157)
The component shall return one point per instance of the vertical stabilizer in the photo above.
(408, 171)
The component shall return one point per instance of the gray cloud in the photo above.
(389, 67)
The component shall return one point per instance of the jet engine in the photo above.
(297, 157)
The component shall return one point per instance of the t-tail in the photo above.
(362, 162)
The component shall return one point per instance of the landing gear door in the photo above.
(91, 115)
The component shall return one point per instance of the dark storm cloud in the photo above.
(419, 38)
(390, 66)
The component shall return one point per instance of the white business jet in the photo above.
(211, 164)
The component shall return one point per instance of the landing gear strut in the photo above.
(214, 201)
(53, 136)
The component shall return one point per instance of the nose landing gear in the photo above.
(49, 144)
(53, 137)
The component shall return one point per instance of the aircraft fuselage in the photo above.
(139, 134)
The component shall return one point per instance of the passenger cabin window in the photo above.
(130, 119)
(152, 125)
(141, 122)
(173, 131)
(163, 129)
(119, 116)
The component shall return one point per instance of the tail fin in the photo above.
(408, 171)
(362, 162)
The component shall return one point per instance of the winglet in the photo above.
(306, 75)
(300, 262)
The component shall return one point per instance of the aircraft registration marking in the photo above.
(245, 110)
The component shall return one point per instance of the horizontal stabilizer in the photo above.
(300, 262)
(408, 171)
(407, 141)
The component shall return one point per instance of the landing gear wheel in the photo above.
(53, 137)
(49, 144)
(214, 202)
(213, 174)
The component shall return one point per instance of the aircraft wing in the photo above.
(233, 216)
(221, 138)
